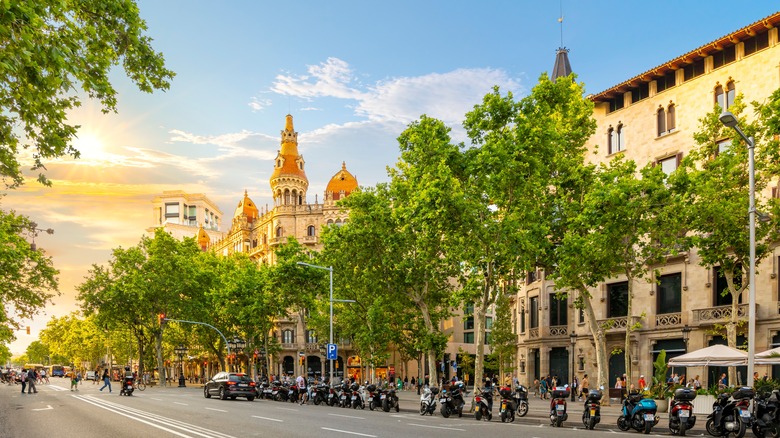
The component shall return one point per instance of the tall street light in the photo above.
(730, 121)
(181, 350)
(330, 341)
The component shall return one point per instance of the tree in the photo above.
(714, 179)
(50, 49)
(27, 277)
(503, 339)
(38, 352)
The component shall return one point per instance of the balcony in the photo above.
(557, 331)
(718, 313)
(668, 319)
(617, 324)
(276, 241)
(310, 240)
(533, 333)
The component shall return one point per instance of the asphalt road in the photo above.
(183, 412)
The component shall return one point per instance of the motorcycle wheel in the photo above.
(460, 414)
(522, 409)
(317, 401)
(478, 415)
(682, 427)
(712, 429)
(592, 423)
(445, 411)
(585, 420)
(622, 423)
(371, 406)
(739, 433)
(503, 417)
(489, 416)
(648, 427)
(773, 431)
(422, 408)
(397, 408)
(385, 405)
(558, 421)
(757, 431)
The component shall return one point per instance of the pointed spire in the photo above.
(561, 66)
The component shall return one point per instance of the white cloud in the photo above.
(259, 104)
(331, 78)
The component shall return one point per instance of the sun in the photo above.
(90, 146)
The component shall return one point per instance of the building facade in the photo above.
(651, 118)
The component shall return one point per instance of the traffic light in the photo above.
(161, 319)
(302, 359)
(28, 329)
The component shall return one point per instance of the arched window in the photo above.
(287, 197)
(288, 336)
(671, 120)
(720, 98)
(730, 94)
(611, 140)
(310, 231)
(661, 118)
(330, 221)
(279, 232)
(620, 136)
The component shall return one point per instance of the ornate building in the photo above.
(651, 118)
(258, 232)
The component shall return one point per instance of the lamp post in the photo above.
(330, 338)
(33, 227)
(181, 350)
(238, 345)
(686, 331)
(573, 339)
(730, 121)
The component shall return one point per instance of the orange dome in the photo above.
(247, 207)
(203, 238)
(343, 181)
(289, 162)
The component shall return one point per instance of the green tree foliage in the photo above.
(72, 339)
(38, 352)
(503, 339)
(53, 48)
(27, 277)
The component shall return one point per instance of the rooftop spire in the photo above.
(561, 66)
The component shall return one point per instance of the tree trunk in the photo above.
(479, 340)
(731, 326)
(432, 373)
(629, 329)
(600, 343)
(140, 357)
(160, 363)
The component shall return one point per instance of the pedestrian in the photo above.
(642, 384)
(31, 378)
(574, 383)
(23, 378)
(78, 378)
(106, 380)
(74, 382)
(696, 383)
(406, 383)
(543, 389)
(585, 386)
(301, 382)
(723, 382)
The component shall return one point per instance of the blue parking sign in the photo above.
(332, 352)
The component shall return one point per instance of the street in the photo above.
(58, 412)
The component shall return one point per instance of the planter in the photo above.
(702, 404)
(663, 405)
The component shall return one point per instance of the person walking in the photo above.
(106, 380)
(574, 383)
(23, 378)
(301, 382)
(74, 380)
(31, 378)
(585, 386)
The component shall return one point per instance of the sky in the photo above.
(353, 74)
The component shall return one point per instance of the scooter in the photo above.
(638, 413)
(389, 400)
(484, 404)
(374, 397)
(765, 414)
(428, 400)
(681, 416)
(127, 386)
(521, 400)
(558, 406)
(508, 404)
(356, 398)
(591, 416)
(731, 416)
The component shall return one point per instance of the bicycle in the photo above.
(139, 385)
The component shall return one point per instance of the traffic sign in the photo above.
(332, 352)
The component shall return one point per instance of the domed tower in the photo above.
(289, 182)
(341, 185)
(203, 239)
(247, 207)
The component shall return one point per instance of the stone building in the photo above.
(651, 118)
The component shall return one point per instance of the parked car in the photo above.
(91, 375)
(230, 385)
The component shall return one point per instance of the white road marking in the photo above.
(346, 431)
(179, 403)
(43, 409)
(269, 419)
(214, 409)
(436, 427)
(287, 409)
(347, 416)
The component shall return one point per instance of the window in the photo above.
(693, 70)
(487, 338)
(468, 323)
(522, 318)
(725, 56)
(666, 81)
(671, 118)
(288, 336)
(669, 293)
(310, 231)
(670, 164)
(279, 232)
(615, 139)
(723, 146)
(722, 287)
(311, 337)
(468, 338)
(726, 99)
(640, 92)
(531, 277)
(172, 213)
(558, 308)
(617, 303)
(756, 43)
(661, 120)
(488, 323)
(616, 103)
(534, 315)
(581, 316)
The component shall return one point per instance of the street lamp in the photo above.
(330, 270)
(181, 350)
(573, 339)
(686, 332)
(33, 226)
(730, 121)
(237, 344)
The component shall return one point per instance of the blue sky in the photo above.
(352, 73)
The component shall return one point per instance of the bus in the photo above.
(56, 371)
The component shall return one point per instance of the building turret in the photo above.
(288, 181)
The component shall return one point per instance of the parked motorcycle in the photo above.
(638, 413)
(765, 414)
(265, 391)
(521, 400)
(508, 404)
(591, 416)
(333, 396)
(558, 405)
(428, 400)
(320, 393)
(681, 416)
(483, 404)
(452, 401)
(374, 396)
(293, 393)
(389, 400)
(356, 398)
(731, 416)
(345, 395)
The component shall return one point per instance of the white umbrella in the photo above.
(769, 357)
(714, 355)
